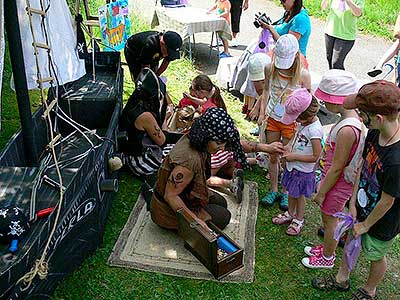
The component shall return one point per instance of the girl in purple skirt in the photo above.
(300, 158)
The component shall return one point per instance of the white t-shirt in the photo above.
(302, 145)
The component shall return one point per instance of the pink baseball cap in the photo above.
(336, 85)
(298, 101)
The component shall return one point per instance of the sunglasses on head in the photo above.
(365, 117)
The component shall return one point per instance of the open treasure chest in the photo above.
(214, 249)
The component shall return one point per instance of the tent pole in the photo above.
(21, 87)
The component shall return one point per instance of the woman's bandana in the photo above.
(217, 125)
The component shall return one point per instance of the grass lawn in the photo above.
(278, 271)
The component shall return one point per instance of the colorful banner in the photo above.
(114, 25)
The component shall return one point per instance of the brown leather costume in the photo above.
(195, 194)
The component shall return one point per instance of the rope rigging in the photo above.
(50, 160)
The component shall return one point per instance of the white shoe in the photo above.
(217, 43)
(233, 43)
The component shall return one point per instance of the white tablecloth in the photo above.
(190, 20)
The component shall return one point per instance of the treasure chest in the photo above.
(214, 249)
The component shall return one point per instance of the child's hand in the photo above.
(254, 114)
(286, 148)
(260, 120)
(289, 156)
(319, 198)
(186, 95)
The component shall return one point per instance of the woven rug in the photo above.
(143, 245)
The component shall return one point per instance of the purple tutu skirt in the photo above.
(298, 183)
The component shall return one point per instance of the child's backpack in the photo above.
(350, 171)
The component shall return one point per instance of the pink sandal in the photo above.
(295, 227)
(281, 219)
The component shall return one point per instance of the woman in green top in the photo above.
(340, 29)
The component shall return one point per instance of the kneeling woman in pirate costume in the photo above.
(182, 177)
(142, 119)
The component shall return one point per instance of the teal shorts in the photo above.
(373, 248)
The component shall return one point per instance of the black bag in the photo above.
(170, 2)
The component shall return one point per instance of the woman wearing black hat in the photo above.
(146, 49)
(182, 177)
(142, 119)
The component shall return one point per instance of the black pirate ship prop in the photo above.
(55, 183)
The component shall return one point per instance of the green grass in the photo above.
(378, 17)
(278, 271)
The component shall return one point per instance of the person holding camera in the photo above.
(340, 29)
(295, 21)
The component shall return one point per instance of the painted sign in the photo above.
(114, 25)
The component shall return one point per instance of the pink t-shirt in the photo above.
(186, 101)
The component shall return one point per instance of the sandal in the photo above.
(361, 294)
(270, 198)
(281, 219)
(329, 283)
(295, 227)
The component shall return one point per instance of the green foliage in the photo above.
(378, 16)
(10, 122)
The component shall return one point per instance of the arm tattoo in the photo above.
(253, 146)
(177, 179)
(157, 132)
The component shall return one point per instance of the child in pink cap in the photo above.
(339, 162)
(302, 154)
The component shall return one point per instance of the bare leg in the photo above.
(250, 103)
(343, 273)
(234, 34)
(376, 273)
(300, 208)
(246, 100)
(226, 46)
(273, 167)
(292, 207)
(216, 181)
(330, 243)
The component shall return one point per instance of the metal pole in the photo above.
(21, 87)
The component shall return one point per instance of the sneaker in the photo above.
(315, 250)
(233, 43)
(318, 262)
(237, 184)
(255, 131)
(284, 202)
(224, 55)
(262, 160)
(270, 198)
(217, 42)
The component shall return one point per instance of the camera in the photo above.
(261, 17)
